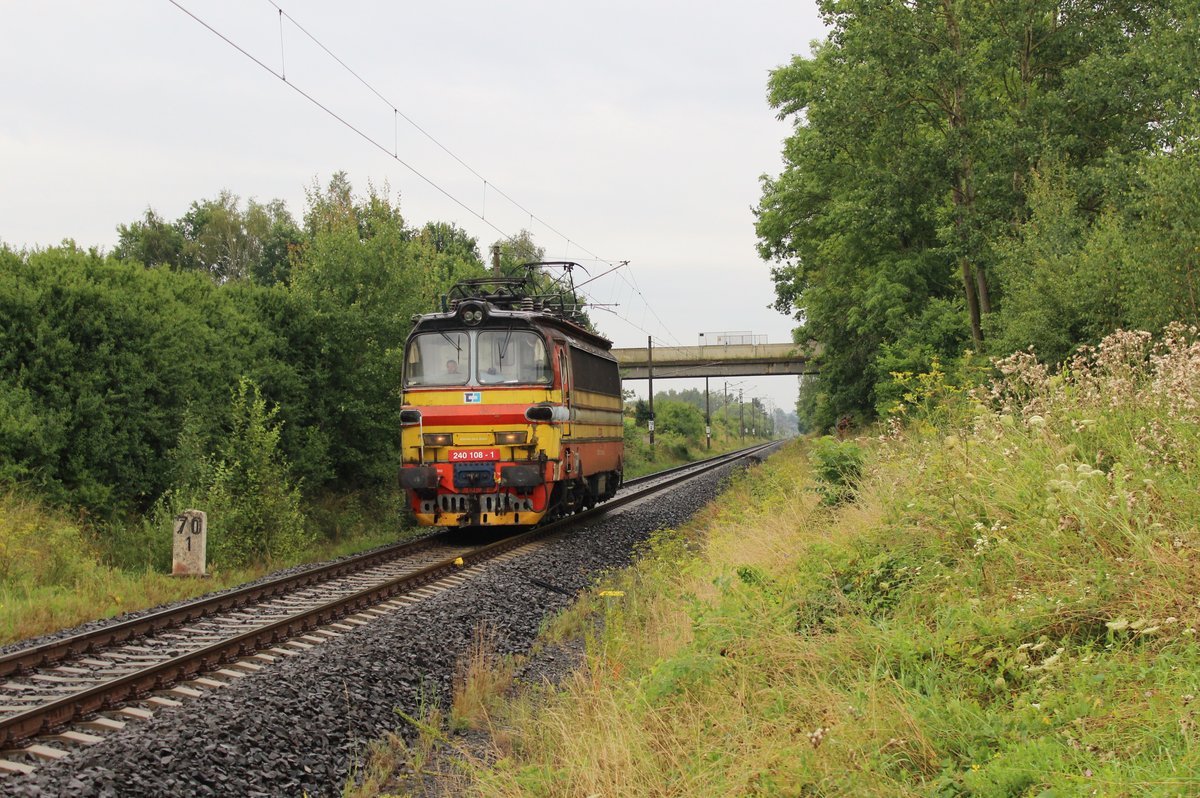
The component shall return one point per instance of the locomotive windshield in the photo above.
(502, 357)
(438, 358)
(512, 356)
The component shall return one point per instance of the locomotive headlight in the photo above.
(512, 438)
(472, 313)
(438, 438)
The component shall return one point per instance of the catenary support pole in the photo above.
(707, 417)
(650, 365)
(742, 414)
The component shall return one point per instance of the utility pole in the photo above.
(725, 404)
(707, 417)
(650, 370)
(495, 260)
(742, 414)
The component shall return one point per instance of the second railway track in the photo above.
(88, 678)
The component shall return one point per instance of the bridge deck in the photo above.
(734, 360)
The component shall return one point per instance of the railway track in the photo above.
(101, 680)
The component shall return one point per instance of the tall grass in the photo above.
(673, 449)
(57, 572)
(51, 574)
(1007, 606)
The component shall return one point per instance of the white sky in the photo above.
(637, 129)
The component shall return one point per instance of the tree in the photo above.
(102, 357)
(353, 279)
(242, 479)
(641, 412)
(216, 237)
(151, 241)
(517, 251)
(918, 128)
(680, 418)
(447, 238)
(276, 240)
(360, 276)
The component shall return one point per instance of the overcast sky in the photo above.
(637, 130)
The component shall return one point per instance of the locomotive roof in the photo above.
(497, 317)
(521, 300)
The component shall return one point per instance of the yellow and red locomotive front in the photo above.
(511, 414)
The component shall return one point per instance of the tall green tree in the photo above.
(517, 251)
(242, 479)
(151, 241)
(218, 238)
(360, 276)
(918, 125)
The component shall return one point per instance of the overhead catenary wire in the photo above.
(282, 51)
(367, 84)
(486, 183)
(394, 153)
(345, 122)
(658, 341)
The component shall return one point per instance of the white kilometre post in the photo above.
(191, 535)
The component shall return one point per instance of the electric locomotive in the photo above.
(511, 409)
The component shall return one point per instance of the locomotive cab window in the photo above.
(594, 373)
(439, 358)
(512, 357)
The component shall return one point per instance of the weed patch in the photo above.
(996, 600)
(837, 466)
(56, 572)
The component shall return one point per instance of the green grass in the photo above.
(56, 572)
(671, 449)
(1006, 606)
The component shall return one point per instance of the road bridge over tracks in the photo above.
(721, 360)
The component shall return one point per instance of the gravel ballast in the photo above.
(300, 725)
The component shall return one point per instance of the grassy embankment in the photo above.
(672, 449)
(56, 572)
(1004, 604)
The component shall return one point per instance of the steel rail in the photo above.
(55, 651)
(50, 716)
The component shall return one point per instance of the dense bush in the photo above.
(100, 356)
(253, 505)
(679, 418)
(97, 362)
(837, 466)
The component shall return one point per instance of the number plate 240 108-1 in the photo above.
(474, 455)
